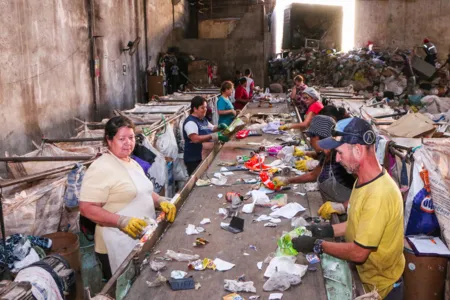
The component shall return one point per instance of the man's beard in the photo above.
(351, 169)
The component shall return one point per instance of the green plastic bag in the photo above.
(284, 243)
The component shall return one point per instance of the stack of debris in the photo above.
(368, 71)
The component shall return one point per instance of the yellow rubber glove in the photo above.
(301, 165)
(132, 226)
(169, 209)
(285, 127)
(298, 152)
(280, 181)
(273, 170)
(329, 208)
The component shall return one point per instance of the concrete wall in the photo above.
(244, 47)
(46, 56)
(45, 77)
(216, 28)
(400, 23)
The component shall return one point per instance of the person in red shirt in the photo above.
(241, 94)
(311, 98)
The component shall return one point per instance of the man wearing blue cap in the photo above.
(374, 230)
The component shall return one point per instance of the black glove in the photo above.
(321, 231)
(304, 244)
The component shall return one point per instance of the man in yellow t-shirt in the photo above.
(374, 230)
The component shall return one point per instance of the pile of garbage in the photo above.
(367, 70)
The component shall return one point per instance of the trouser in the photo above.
(106, 268)
(397, 292)
(431, 59)
(191, 166)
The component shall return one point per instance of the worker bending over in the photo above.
(374, 230)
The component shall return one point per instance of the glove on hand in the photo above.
(280, 181)
(304, 244)
(131, 226)
(301, 165)
(329, 208)
(169, 209)
(285, 127)
(298, 152)
(321, 231)
(222, 126)
(218, 136)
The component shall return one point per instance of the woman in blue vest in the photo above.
(196, 131)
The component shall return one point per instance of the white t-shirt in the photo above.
(190, 127)
(249, 82)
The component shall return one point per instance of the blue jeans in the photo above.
(397, 292)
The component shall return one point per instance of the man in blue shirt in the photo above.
(224, 105)
(196, 131)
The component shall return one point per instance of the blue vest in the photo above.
(193, 151)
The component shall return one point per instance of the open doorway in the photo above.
(313, 26)
(330, 21)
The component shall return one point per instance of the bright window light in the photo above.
(348, 23)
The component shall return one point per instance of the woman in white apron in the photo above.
(118, 197)
(335, 184)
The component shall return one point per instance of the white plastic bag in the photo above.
(281, 281)
(166, 142)
(181, 256)
(158, 171)
(179, 170)
(215, 112)
(179, 134)
(287, 155)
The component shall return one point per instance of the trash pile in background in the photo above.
(368, 71)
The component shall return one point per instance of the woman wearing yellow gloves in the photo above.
(118, 197)
(335, 184)
(312, 100)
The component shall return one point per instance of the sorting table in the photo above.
(203, 202)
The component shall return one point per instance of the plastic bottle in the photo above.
(426, 179)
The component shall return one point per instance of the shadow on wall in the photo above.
(233, 45)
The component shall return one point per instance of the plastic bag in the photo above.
(166, 142)
(287, 155)
(239, 286)
(157, 173)
(281, 281)
(285, 246)
(419, 209)
(298, 221)
(74, 180)
(181, 256)
(179, 170)
(179, 133)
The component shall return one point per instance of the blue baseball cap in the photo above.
(349, 131)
